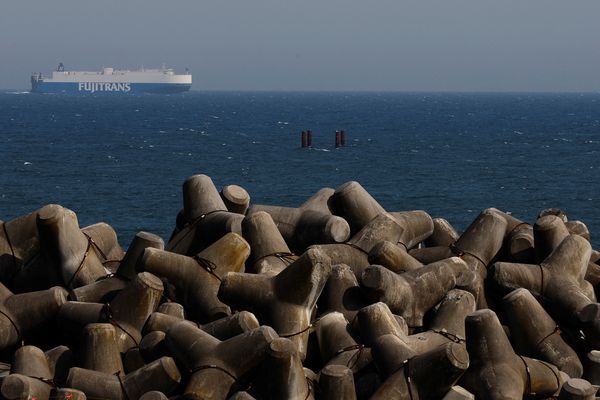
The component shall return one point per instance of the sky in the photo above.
(306, 45)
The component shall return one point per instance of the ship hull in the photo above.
(108, 88)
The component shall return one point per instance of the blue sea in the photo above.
(122, 160)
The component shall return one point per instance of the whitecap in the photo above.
(26, 163)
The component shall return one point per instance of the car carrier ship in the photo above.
(111, 81)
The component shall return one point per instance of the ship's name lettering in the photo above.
(104, 87)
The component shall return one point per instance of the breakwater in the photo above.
(337, 298)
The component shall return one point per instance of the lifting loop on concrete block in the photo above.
(461, 253)
(118, 375)
(91, 245)
(47, 381)
(192, 224)
(311, 386)
(352, 361)
(545, 364)
(452, 337)
(528, 383)
(555, 331)
(96, 247)
(213, 366)
(309, 327)
(208, 266)
(403, 245)
(113, 321)
(541, 281)
(286, 257)
(407, 377)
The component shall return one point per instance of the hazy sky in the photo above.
(457, 45)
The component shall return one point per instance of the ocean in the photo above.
(122, 160)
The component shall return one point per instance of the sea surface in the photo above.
(122, 160)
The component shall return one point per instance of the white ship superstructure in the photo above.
(110, 80)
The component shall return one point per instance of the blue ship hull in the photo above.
(96, 88)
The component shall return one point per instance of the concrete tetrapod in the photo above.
(413, 293)
(578, 228)
(105, 238)
(154, 346)
(319, 201)
(19, 243)
(302, 228)
(63, 243)
(236, 198)
(22, 314)
(481, 241)
(222, 329)
(416, 225)
(161, 375)
(104, 289)
(197, 278)
(534, 333)
(426, 376)
(336, 382)
(394, 257)
(549, 231)
(337, 346)
(446, 326)
(73, 316)
(558, 282)
(99, 349)
(60, 359)
(443, 234)
(41, 272)
(377, 320)
(353, 203)
(518, 238)
(355, 252)
(591, 371)
(447, 323)
(173, 309)
(282, 374)
(205, 215)
(284, 301)
(342, 293)
(216, 366)
(30, 376)
(130, 309)
(270, 253)
(577, 389)
(496, 372)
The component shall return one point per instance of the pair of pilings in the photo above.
(340, 138)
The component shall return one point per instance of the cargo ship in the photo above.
(111, 81)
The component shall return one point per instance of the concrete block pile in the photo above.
(335, 299)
